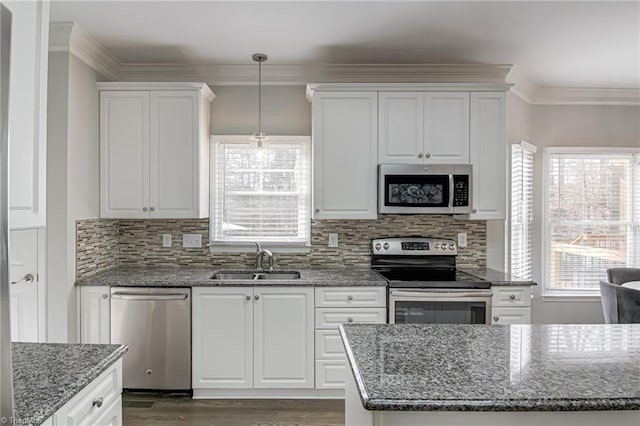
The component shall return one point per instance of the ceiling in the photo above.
(574, 44)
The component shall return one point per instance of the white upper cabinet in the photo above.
(423, 127)
(489, 155)
(28, 113)
(345, 155)
(154, 150)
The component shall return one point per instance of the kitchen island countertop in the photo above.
(48, 375)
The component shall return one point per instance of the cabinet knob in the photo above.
(428, 155)
(420, 155)
(349, 297)
(474, 210)
(98, 402)
(512, 297)
(152, 209)
(496, 318)
(104, 296)
(256, 297)
(144, 209)
(247, 297)
(317, 210)
(350, 319)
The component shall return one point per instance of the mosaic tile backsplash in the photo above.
(139, 242)
(96, 246)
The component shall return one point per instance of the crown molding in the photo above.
(586, 96)
(405, 87)
(164, 86)
(522, 87)
(69, 37)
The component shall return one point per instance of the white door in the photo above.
(23, 276)
(345, 155)
(283, 337)
(174, 154)
(446, 127)
(124, 154)
(400, 127)
(222, 333)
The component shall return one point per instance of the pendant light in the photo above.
(259, 136)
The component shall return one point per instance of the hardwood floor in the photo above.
(145, 410)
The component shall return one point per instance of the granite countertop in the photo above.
(497, 278)
(494, 367)
(197, 277)
(48, 375)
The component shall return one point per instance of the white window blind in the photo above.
(592, 215)
(522, 155)
(260, 194)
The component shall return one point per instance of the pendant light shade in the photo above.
(259, 135)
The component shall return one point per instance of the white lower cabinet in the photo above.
(253, 337)
(335, 306)
(95, 314)
(511, 305)
(99, 403)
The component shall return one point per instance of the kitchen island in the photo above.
(492, 375)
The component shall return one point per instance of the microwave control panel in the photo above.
(460, 190)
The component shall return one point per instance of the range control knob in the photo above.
(436, 246)
(443, 247)
(378, 246)
(385, 246)
(452, 246)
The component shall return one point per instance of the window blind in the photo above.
(260, 194)
(522, 155)
(592, 218)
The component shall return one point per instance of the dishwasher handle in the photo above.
(139, 296)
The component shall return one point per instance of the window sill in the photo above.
(555, 297)
(250, 247)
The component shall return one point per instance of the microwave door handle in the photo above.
(451, 191)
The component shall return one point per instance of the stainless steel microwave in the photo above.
(424, 188)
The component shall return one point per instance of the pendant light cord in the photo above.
(260, 99)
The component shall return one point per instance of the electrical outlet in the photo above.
(166, 240)
(333, 240)
(462, 239)
(192, 240)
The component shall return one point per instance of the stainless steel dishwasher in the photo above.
(156, 325)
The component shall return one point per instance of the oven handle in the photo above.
(438, 295)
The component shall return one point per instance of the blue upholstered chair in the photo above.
(621, 305)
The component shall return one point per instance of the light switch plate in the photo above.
(192, 240)
(333, 240)
(462, 239)
(166, 240)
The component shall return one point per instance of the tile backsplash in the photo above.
(139, 242)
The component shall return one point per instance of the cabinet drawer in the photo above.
(506, 316)
(83, 408)
(329, 345)
(511, 296)
(331, 374)
(333, 317)
(361, 297)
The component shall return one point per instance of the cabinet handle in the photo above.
(512, 297)
(474, 210)
(420, 155)
(28, 278)
(317, 210)
(152, 209)
(350, 319)
(496, 318)
(256, 297)
(144, 209)
(104, 296)
(98, 402)
(428, 155)
(349, 297)
(247, 297)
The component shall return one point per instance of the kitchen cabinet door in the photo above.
(283, 337)
(511, 316)
(28, 113)
(222, 333)
(400, 127)
(446, 128)
(124, 154)
(95, 314)
(489, 155)
(345, 135)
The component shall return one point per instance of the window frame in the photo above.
(243, 246)
(546, 223)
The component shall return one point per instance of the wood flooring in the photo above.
(151, 409)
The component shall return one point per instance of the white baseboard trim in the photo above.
(268, 394)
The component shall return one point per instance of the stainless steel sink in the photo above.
(255, 275)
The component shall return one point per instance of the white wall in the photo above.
(577, 126)
(73, 182)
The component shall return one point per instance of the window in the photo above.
(260, 194)
(592, 217)
(522, 155)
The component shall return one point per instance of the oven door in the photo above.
(430, 306)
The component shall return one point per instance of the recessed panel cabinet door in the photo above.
(400, 127)
(124, 154)
(283, 338)
(23, 292)
(446, 127)
(95, 314)
(174, 156)
(222, 333)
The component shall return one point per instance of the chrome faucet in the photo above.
(260, 252)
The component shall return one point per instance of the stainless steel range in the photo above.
(424, 285)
